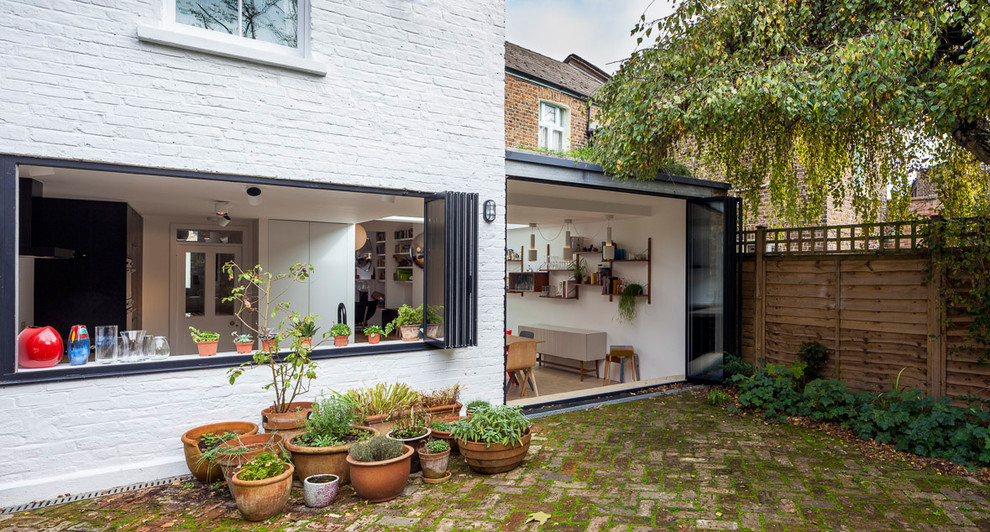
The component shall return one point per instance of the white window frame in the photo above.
(564, 128)
(178, 35)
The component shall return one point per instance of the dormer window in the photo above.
(553, 127)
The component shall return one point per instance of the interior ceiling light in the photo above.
(608, 250)
(568, 250)
(531, 256)
(254, 195)
(223, 218)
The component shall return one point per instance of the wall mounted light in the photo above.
(568, 250)
(254, 196)
(608, 250)
(223, 218)
(531, 255)
(489, 211)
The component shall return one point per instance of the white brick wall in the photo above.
(413, 99)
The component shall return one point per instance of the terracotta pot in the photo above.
(203, 470)
(207, 349)
(256, 443)
(495, 458)
(441, 435)
(260, 499)
(410, 333)
(320, 490)
(308, 342)
(434, 465)
(415, 443)
(381, 481)
(265, 344)
(340, 341)
(383, 423)
(244, 348)
(374, 338)
(433, 330)
(332, 460)
(290, 423)
(39, 347)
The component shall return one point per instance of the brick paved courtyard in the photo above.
(671, 462)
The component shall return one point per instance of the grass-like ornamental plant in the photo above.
(203, 336)
(440, 396)
(477, 404)
(265, 465)
(496, 424)
(377, 449)
(381, 399)
(330, 424)
(436, 447)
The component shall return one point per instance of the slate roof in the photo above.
(555, 72)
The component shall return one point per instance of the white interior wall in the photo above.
(25, 292)
(657, 333)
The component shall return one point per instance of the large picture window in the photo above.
(131, 262)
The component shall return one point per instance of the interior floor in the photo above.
(550, 381)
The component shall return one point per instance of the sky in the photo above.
(597, 30)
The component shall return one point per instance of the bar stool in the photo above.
(619, 354)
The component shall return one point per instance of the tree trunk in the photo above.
(974, 137)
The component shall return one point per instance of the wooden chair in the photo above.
(522, 357)
(619, 354)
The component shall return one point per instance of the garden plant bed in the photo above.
(670, 462)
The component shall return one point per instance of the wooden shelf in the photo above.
(627, 260)
(556, 297)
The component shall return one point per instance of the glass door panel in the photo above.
(434, 289)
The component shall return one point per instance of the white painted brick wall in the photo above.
(413, 99)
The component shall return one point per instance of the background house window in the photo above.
(274, 21)
(553, 123)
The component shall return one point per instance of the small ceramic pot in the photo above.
(320, 490)
(434, 465)
(244, 348)
(207, 349)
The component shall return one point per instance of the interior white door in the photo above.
(199, 287)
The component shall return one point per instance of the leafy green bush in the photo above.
(717, 397)
(440, 425)
(265, 465)
(377, 449)
(814, 355)
(340, 329)
(829, 400)
(203, 336)
(733, 365)
(495, 424)
(436, 446)
(330, 423)
(477, 404)
(772, 389)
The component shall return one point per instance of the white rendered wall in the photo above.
(77, 84)
(657, 333)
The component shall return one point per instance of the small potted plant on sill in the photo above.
(322, 448)
(305, 328)
(434, 321)
(243, 342)
(434, 457)
(340, 333)
(262, 486)
(409, 321)
(261, 308)
(375, 333)
(379, 468)
(493, 439)
(201, 440)
(206, 341)
(412, 430)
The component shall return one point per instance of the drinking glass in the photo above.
(106, 344)
(159, 348)
(147, 347)
(132, 346)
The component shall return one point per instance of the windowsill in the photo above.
(219, 47)
(90, 370)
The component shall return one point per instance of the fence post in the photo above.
(760, 308)
(936, 322)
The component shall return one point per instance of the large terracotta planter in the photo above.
(415, 443)
(383, 423)
(381, 481)
(260, 499)
(494, 458)
(434, 464)
(255, 443)
(332, 460)
(288, 423)
(204, 470)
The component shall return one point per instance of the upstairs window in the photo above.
(553, 127)
(272, 21)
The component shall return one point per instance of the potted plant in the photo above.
(441, 402)
(202, 439)
(206, 341)
(441, 431)
(408, 321)
(322, 447)
(262, 486)
(412, 430)
(305, 328)
(434, 321)
(379, 468)
(493, 439)
(375, 333)
(340, 333)
(320, 490)
(244, 342)
(379, 405)
(627, 302)
(238, 451)
(579, 268)
(434, 456)
(260, 306)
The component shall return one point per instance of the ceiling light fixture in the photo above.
(223, 218)
(254, 196)
(608, 250)
(532, 243)
(568, 250)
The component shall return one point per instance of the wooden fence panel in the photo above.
(874, 310)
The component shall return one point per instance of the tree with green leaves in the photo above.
(818, 100)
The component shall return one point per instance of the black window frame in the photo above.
(9, 376)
